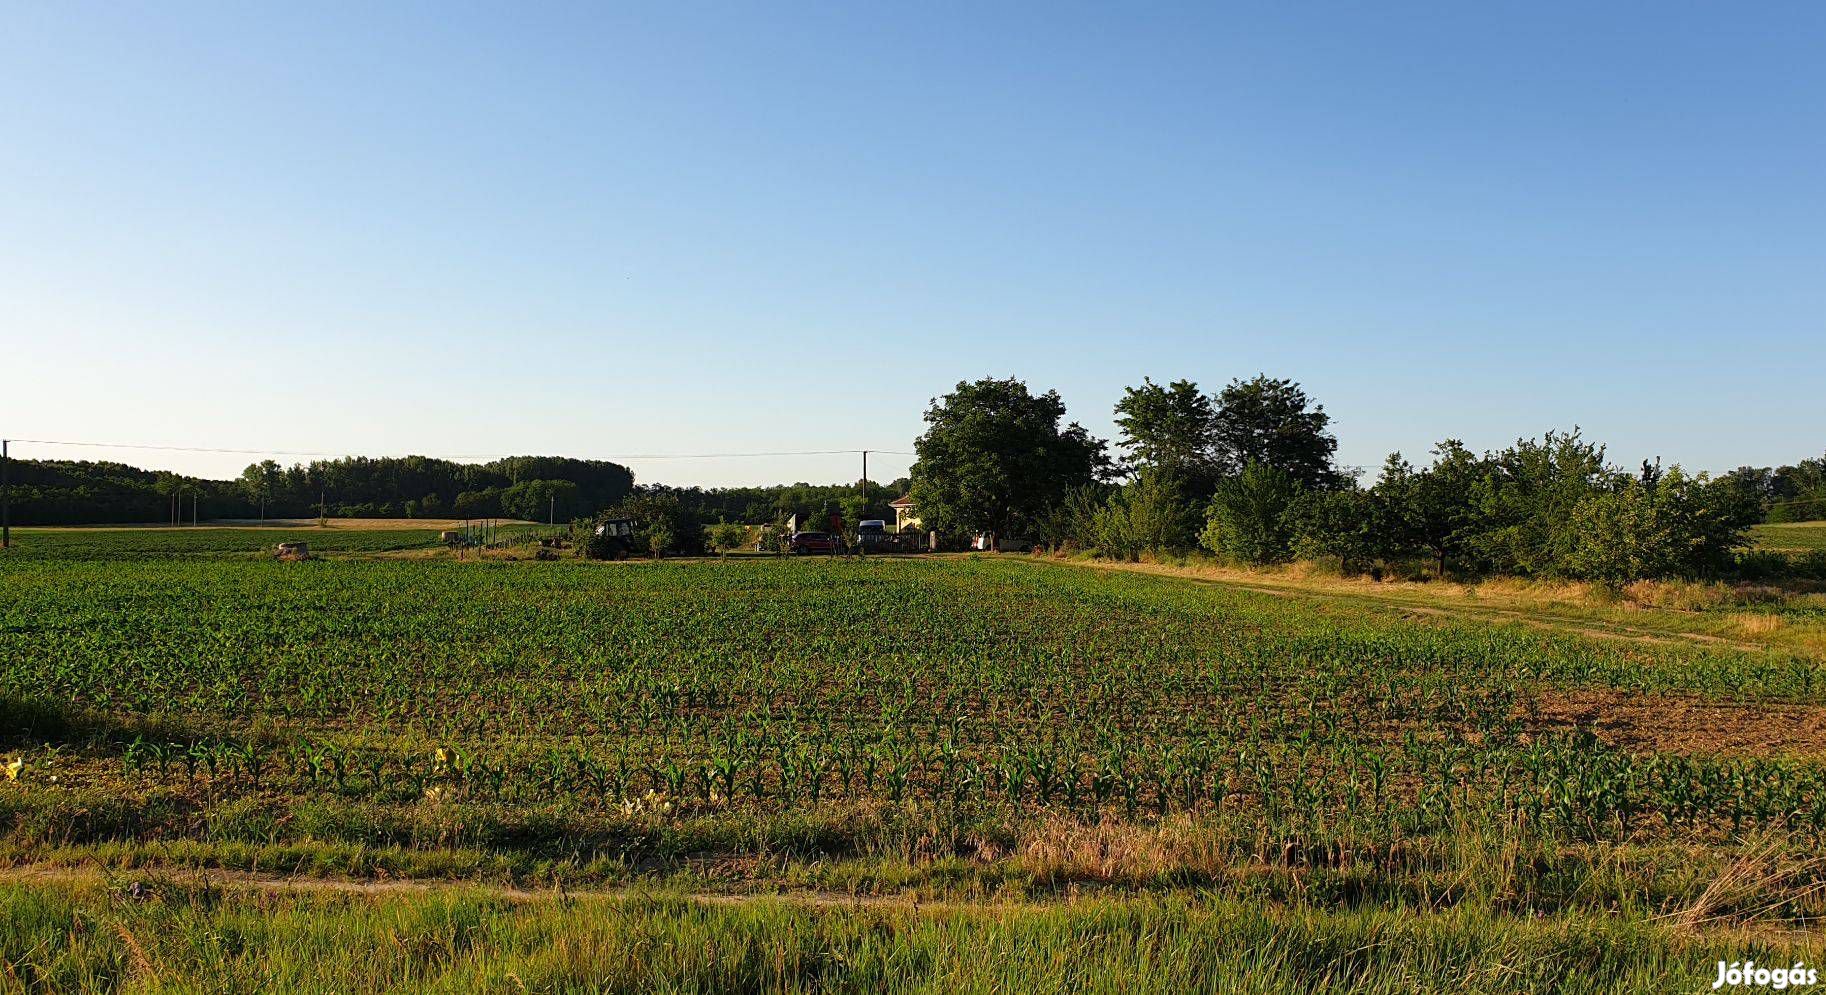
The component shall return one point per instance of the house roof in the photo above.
(904, 501)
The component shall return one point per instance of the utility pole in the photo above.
(6, 498)
(865, 476)
(551, 509)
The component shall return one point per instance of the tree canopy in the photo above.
(1172, 429)
(1274, 423)
(997, 458)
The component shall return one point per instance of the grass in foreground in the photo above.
(164, 937)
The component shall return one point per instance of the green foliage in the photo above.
(812, 503)
(1347, 525)
(1794, 493)
(1274, 423)
(1672, 526)
(1199, 439)
(538, 500)
(726, 536)
(1434, 510)
(58, 492)
(1527, 497)
(1248, 519)
(660, 538)
(995, 458)
(1151, 513)
(1171, 430)
(664, 524)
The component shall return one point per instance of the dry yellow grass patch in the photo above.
(1757, 625)
(1706, 612)
(1117, 852)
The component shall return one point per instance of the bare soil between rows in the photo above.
(1673, 724)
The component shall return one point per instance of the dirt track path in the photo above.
(1576, 625)
(91, 874)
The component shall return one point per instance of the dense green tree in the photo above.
(996, 458)
(1526, 499)
(1172, 430)
(1249, 517)
(1435, 509)
(1660, 525)
(1148, 514)
(1274, 423)
(262, 482)
(542, 500)
(1347, 524)
(726, 536)
(663, 523)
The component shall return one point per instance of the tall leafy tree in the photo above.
(1347, 523)
(1527, 496)
(1171, 429)
(996, 458)
(263, 482)
(1434, 509)
(1274, 423)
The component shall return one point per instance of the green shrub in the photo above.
(1248, 517)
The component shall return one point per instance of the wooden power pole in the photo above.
(6, 498)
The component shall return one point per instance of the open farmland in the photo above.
(1791, 537)
(124, 544)
(981, 729)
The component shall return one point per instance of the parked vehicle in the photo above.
(872, 536)
(613, 540)
(985, 541)
(805, 543)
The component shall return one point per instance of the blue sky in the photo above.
(704, 228)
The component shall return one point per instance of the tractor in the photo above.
(613, 540)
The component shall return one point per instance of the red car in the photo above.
(803, 543)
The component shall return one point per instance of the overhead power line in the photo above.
(455, 456)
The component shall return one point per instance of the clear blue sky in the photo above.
(693, 228)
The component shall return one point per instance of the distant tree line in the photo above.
(62, 492)
(535, 488)
(72, 492)
(1788, 493)
(813, 504)
(1248, 474)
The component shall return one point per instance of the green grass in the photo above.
(123, 543)
(179, 939)
(1790, 537)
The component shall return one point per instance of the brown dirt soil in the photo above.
(1673, 724)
